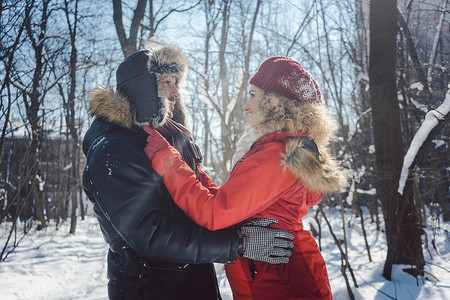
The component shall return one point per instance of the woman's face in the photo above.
(256, 95)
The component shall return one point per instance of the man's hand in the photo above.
(155, 142)
(266, 244)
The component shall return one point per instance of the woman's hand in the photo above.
(155, 142)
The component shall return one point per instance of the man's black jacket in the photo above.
(155, 251)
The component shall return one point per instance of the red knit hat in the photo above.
(287, 77)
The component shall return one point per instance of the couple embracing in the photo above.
(165, 220)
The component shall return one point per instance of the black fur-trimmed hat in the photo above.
(138, 79)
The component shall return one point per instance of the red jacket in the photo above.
(269, 181)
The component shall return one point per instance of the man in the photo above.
(155, 250)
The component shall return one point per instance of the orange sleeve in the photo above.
(250, 189)
(207, 182)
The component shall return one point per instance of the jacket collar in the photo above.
(277, 136)
(317, 174)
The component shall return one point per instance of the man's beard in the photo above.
(179, 112)
(170, 109)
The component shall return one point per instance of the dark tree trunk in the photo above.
(401, 222)
(128, 44)
(32, 109)
(71, 119)
(440, 182)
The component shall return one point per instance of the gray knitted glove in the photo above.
(266, 244)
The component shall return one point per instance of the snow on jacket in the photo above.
(279, 177)
(155, 250)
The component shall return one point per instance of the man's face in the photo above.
(170, 91)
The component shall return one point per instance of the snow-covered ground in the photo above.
(52, 264)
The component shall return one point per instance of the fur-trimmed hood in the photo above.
(314, 167)
(110, 106)
(320, 174)
(139, 98)
(279, 118)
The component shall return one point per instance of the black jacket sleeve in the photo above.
(132, 197)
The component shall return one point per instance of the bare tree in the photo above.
(156, 17)
(132, 43)
(70, 114)
(402, 227)
(32, 99)
(224, 77)
(423, 65)
(128, 43)
(7, 56)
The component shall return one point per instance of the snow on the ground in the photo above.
(52, 264)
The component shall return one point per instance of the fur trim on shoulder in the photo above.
(111, 106)
(321, 175)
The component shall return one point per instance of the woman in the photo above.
(281, 168)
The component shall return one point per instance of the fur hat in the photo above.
(287, 77)
(138, 79)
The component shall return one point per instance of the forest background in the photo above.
(382, 66)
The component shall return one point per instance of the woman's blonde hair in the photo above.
(280, 113)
